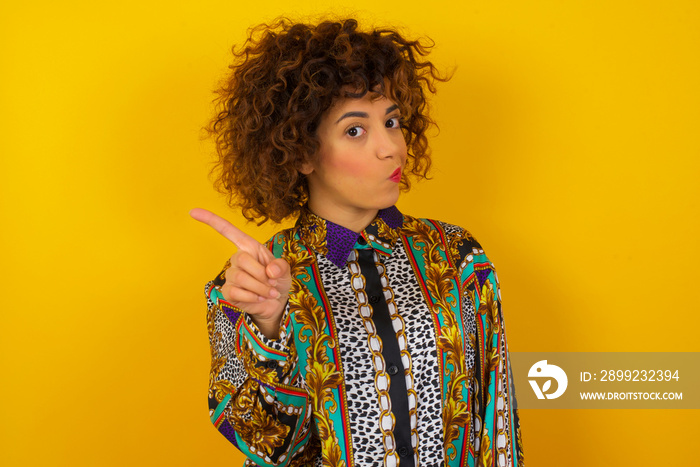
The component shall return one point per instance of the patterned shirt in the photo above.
(392, 351)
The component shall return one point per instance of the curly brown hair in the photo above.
(283, 79)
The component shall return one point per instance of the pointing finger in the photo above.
(231, 232)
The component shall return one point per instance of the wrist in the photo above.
(270, 328)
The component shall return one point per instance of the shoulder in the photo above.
(280, 242)
(463, 249)
(451, 236)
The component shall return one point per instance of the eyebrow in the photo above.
(364, 114)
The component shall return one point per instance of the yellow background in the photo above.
(569, 146)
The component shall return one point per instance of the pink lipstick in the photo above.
(396, 175)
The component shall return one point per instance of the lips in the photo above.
(396, 175)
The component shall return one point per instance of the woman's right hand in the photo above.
(256, 282)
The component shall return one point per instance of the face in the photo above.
(359, 163)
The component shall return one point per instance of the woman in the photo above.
(362, 336)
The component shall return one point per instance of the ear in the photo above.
(306, 168)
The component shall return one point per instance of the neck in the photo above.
(349, 218)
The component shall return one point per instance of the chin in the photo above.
(390, 201)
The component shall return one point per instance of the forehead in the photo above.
(348, 101)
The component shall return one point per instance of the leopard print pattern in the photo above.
(420, 334)
(233, 370)
(357, 369)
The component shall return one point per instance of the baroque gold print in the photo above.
(386, 232)
(456, 241)
(521, 459)
(440, 280)
(313, 231)
(485, 458)
(321, 374)
(261, 431)
(439, 274)
(488, 307)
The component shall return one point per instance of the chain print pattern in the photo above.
(400, 329)
(381, 377)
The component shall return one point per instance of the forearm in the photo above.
(251, 399)
(500, 439)
(270, 327)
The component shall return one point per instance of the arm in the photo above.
(255, 394)
(252, 401)
(497, 439)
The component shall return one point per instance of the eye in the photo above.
(355, 131)
(394, 122)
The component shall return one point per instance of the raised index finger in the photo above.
(239, 238)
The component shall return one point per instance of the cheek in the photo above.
(348, 164)
(403, 148)
(352, 168)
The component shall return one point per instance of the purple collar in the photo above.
(336, 242)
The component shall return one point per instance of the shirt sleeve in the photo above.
(256, 399)
(497, 440)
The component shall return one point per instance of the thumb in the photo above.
(277, 269)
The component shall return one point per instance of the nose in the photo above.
(390, 144)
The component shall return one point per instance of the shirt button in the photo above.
(403, 451)
(362, 241)
(393, 369)
(373, 298)
(271, 364)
